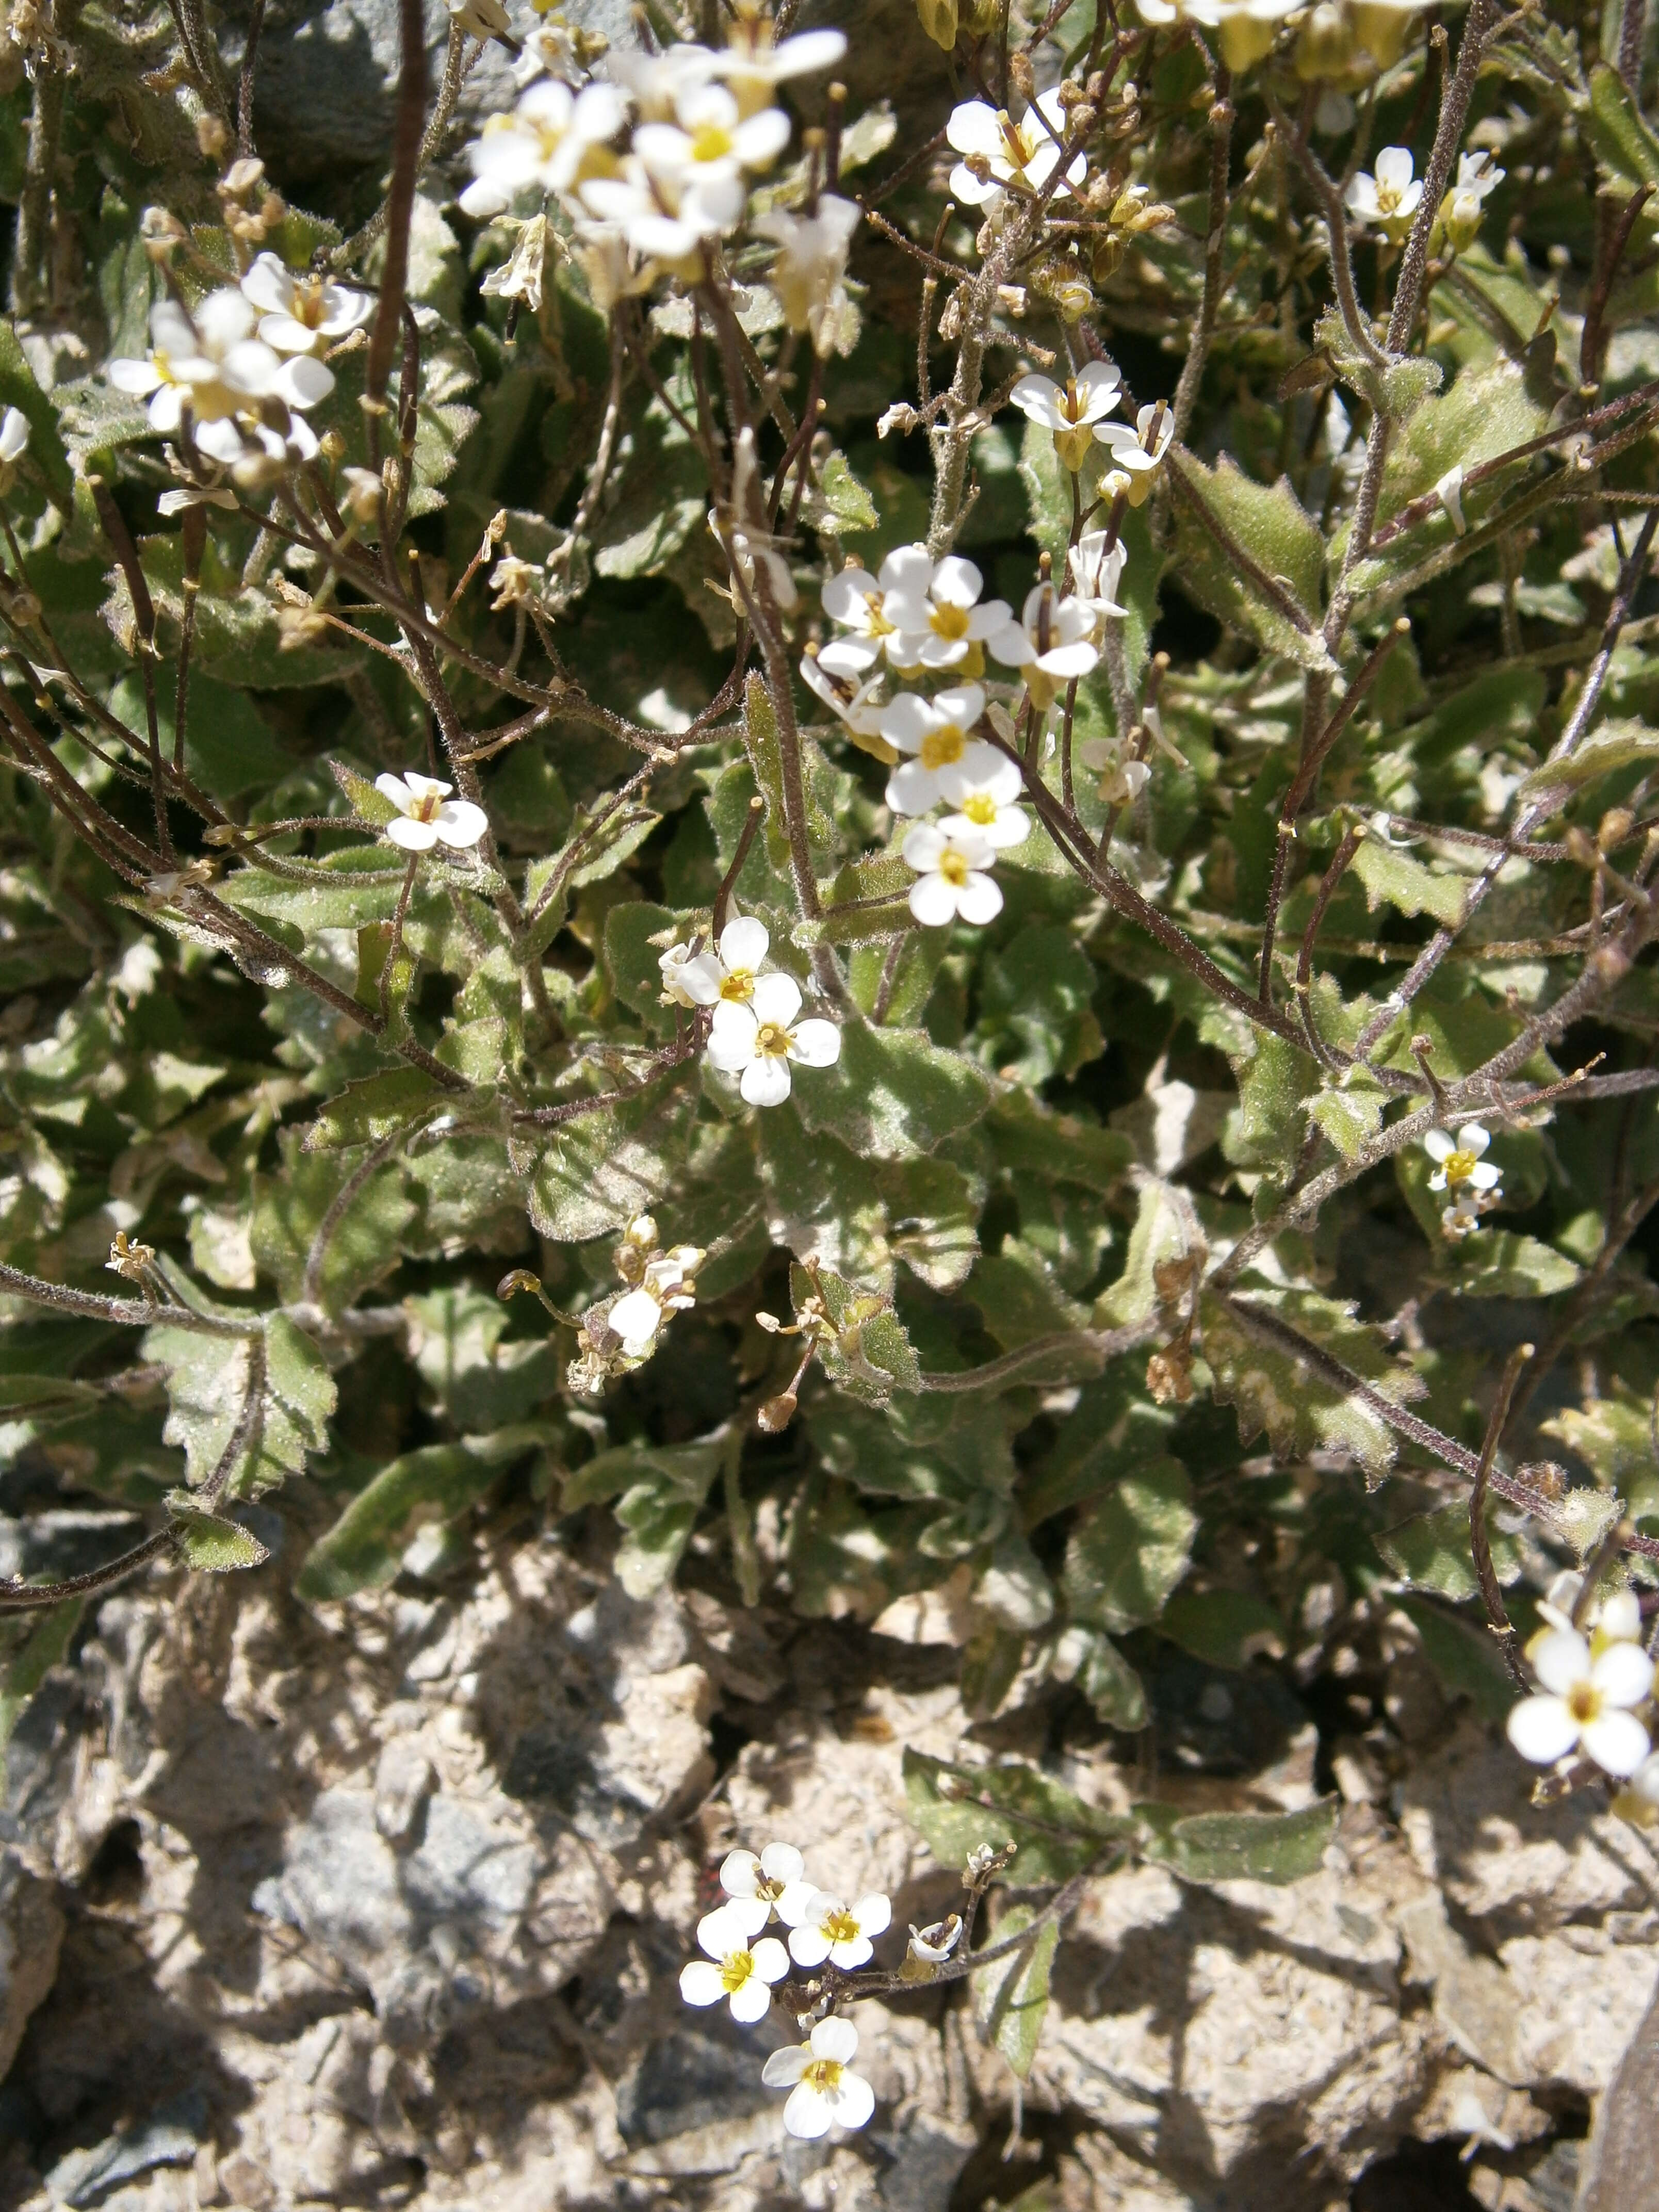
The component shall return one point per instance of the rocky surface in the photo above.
(385, 1903)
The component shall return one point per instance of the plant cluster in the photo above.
(986, 805)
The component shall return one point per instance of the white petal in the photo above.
(720, 1932)
(752, 2002)
(973, 129)
(979, 900)
(963, 704)
(853, 1953)
(732, 1037)
(1011, 646)
(776, 999)
(740, 1873)
(1617, 1741)
(1542, 1729)
(873, 1913)
(700, 980)
(771, 1960)
(701, 1983)
(744, 942)
(1619, 1620)
(1393, 167)
(933, 901)
(855, 2100)
(924, 846)
(1559, 1660)
(412, 836)
(750, 1913)
(847, 597)
(785, 2066)
(764, 1082)
(808, 2113)
(1068, 660)
(906, 722)
(460, 823)
(1438, 1145)
(815, 1044)
(1623, 1674)
(912, 788)
(782, 1861)
(636, 1318)
(139, 377)
(795, 1903)
(836, 2039)
(1485, 1176)
(808, 1945)
(1473, 1138)
(394, 788)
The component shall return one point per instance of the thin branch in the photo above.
(1480, 1543)
(134, 1313)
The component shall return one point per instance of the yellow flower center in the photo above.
(823, 2075)
(772, 1040)
(1583, 1703)
(739, 987)
(1459, 1166)
(841, 1927)
(1388, 198)
(736, 1968)
(954, 869)
(307, 304)
(425, 808)
(710, 142)
(940, 747)
(877, 623)
(948, 622)
(980, 808)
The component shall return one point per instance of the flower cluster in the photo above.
(1591, 1688)
(743, 1965)
(1472, 1184)
(755, 1032)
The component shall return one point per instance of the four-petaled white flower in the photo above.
(823, 2093)
(726, 972)
(212, 365)
(1136, 453)
(551, 142)
(1458, 1159)
(302, 313)
(982, 787)
(753, 61)
(1095, 571)
(810, 263)
(1121, 782)
(951, 879)
(1461, 1221)
(937, 731)
(1024, 155)
(682, 181)
(1070, 410)
(934, 611)
(428, 815)
(1244, 28)
(1478, 174)
(1389, 199)
(738, 1967)
(757, 1887)
(757, 1040)
(839, 1933)
(666, 1287)
(1052, 641)
(837, 675)
(1585, 1702)
(14, 435)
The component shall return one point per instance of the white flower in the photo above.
(933, 1945)
(1460, 1221)
(683, 181)
(839, 1933)
(1095, 573)
(1459, 1160)
(983, 786)
(1025, 154)
(1244, 28)
(933, 609)
(301, 313)
(213, 365)
(520, 276)
(1585, 1701)
(1389, 199)
(656, 82)
(823, 2093)
(428, 815)
(937, 731)
(1449, 493)
(837, 674)
(736, 1968)
(951, 875)
(1070, 410)
(756, 1040)
(811, 261)
(727, 973)
(752, 64)
(553, 140)
(1052, 639)
(481, 19)
(1645, 1780)
(667, 1288)
(758, 1888)
(14, 435)
(1136, 453)
(1121, 782)
(1478, 173)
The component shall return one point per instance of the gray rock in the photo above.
(703, 2072)
(31, 1935)
(169, 2137)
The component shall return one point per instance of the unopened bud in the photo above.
(212, 137)
(1021, 76)
(1614, 827)
(775, 1415)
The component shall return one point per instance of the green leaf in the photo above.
(1036, 1015)
(597, 1173)
(364, 1549)
(45, 1647)
(1108, 1680)
(1350, 1113)
(1252, 556)
(837, 502)
(1503, 1264)
(871, 1355)
(662, 1492)
(207, 1389)
(1028, 1135)
(1273, 1847)
(1019, 1299)
(1432, 1552)
(289, 1212)
(1612, 123)
(1465, 1658)
(369, 1109)
(932, 1212)
(210, 1545)
(892, 1094)
(1266, 1132)
(1394, 878)
(1010, 1995)
(1131, 1549)
(1223, 1627)
(1272, 1389)
(480, 1379)
(1615, 745)
(823, 1201)
(957, 1808)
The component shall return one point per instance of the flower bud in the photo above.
(775, 1415)
(1325, 46)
